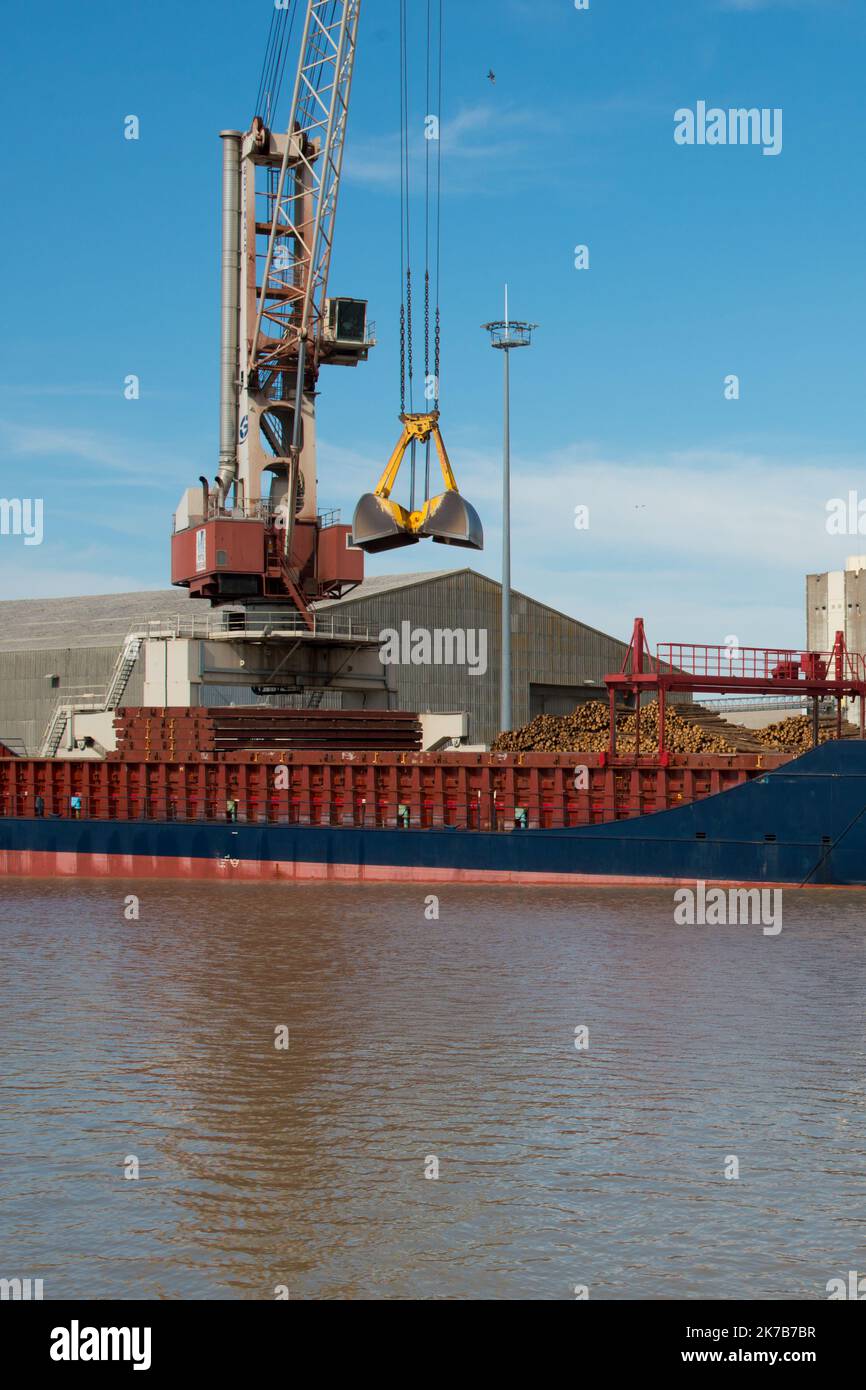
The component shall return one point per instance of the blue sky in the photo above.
(705, 513)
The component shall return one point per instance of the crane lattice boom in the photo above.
(304, 198)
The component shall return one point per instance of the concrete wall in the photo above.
(816, 612)
(760, 718)
(836, 601)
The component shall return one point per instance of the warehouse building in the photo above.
(440, 633)
(556, 660)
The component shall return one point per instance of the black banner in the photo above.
(156, 1339)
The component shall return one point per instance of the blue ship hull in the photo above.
(803, 824)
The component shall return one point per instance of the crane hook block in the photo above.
(382, 524)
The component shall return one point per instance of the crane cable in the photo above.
(271, 80)
(437, 329)
(406, 333)
(403, 213)
(440, 59)
(257, 109)
(432, 231)
(274, 62)
(427, 258)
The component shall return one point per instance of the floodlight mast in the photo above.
(507, 334)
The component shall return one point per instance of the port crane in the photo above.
(254, 534)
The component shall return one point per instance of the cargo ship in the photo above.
(205, 794)
(444, 818)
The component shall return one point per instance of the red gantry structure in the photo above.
(689, 668)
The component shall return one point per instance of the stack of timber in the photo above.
(181, 735)
(586, 731)
(689, 728)
(794, 735)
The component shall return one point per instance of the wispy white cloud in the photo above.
(34, 580)
(702, 542)
(487, 140)
(479, 139)
(71, 391)
(115, 456)
(48, 390)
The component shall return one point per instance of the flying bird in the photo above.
(491, 76)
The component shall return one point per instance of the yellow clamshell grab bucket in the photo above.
(380, 524)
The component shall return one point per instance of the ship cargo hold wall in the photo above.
(475, 791)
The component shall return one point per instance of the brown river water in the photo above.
(412, 1040)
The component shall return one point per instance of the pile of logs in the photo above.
(794, 735)
(585, 730)
(689, 728)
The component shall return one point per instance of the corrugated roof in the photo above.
(103, 620)
(99, 620)
(384, 583)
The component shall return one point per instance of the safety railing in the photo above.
(258, 625)
(761, 663)
(749, 704)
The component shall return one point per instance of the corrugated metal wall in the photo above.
(28, 699)
(548, 648)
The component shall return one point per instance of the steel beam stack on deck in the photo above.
(184, 735)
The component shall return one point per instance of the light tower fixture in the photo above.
(506, 334)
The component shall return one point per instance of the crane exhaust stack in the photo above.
(231, 267)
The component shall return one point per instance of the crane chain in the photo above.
(426, 327)
(409, 330)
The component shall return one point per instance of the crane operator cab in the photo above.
(382, 524)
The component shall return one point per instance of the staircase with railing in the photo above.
(114, 693)
(55, 731)
(123, 669)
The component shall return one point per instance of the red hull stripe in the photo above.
(50, 864)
